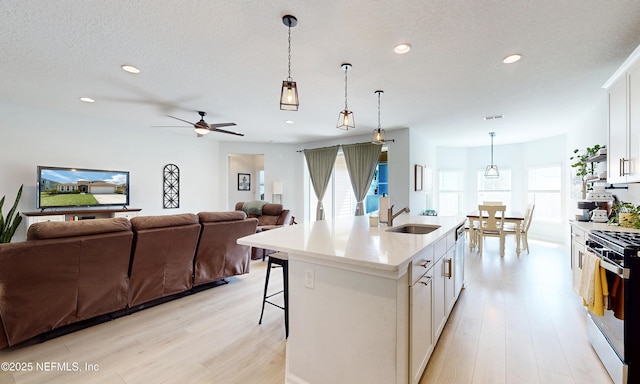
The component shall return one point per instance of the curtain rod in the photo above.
(340, 145)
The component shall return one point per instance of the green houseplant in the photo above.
(10, 223)
(583, 166)
(626, 215)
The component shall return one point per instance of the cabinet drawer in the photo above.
(41, 219)
(420, 264)
(578, 235)
(127, 215)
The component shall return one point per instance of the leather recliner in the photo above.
(273, 216)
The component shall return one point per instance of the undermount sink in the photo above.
(416, 229)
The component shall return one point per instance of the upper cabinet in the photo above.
(623, 148)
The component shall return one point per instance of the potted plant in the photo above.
(627, 215)
(10, 223)
(583, 166)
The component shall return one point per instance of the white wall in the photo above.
(32, 137)
(250, 164)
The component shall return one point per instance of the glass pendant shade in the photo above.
(289, 92)
(378, 136)
(345, 120)
(492, 170)
(289, 96)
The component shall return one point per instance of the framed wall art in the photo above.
(244, 182)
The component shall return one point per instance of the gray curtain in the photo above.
(320, 162)
(361, 162)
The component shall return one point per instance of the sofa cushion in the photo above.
(254, 207)
(62, 229)
(272, 209)
(210, 217)
(147, 222)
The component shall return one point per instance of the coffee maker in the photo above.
(586, 207)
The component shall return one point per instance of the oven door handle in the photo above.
(607, 264)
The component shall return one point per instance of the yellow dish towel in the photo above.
(593, 285)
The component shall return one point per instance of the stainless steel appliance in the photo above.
(616, 335)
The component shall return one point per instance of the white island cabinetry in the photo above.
(361, 299)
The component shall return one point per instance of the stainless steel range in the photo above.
(616, 335)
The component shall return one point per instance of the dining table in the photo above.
(514, 217)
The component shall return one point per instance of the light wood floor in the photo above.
(517, 321)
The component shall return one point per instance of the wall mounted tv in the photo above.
(76, 187)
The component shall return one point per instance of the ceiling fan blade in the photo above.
(225, 131)
(177, 118)
(217, 125)
(170, 126)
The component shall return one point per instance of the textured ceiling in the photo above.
(228, 58)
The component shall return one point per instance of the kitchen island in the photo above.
(365, 305)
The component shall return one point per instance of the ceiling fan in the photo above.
(202, 127)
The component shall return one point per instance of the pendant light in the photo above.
(289, 93)
(492, 170)
(378, 136)
(345, 119)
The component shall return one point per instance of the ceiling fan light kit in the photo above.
(203, 128)
(289, 93)
(345, 118)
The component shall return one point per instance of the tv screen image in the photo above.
(76, 187)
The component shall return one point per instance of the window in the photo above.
(339, 200)
(544, 190)
(495, 189)
(450, 190)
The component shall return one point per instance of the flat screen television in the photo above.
(60, 187)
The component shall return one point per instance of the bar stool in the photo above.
(282, 260)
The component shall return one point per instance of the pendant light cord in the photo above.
(346, 68)
(378, 111)
(492, 135)
(289, 51)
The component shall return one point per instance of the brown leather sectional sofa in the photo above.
(68, 272)
(272, 216)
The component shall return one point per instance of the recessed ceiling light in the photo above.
(403, 48)
(130, 69)
(512, 58)
(87, 100)
(290, 122)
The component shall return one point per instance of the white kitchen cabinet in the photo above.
(623, 153)
(578, 248)
(444, 295)
(420, 325)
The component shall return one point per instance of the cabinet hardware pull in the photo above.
(580, 259)
(622, 170)
(426, 282)
(449, 273)
(425, 264)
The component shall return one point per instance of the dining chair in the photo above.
(492, 203)
(491, 224)
(510, 228)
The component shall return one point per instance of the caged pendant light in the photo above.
(289, 93)
(492, 170)
(378, 136)
(345, 119)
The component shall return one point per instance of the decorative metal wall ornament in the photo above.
(171, 188)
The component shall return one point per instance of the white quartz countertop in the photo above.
(590, 226)
(352, 241)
